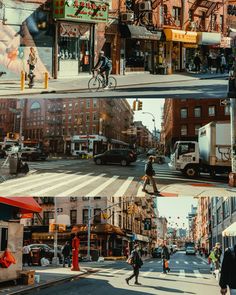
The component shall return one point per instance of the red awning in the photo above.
(26, 204)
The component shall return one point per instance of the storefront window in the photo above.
(184, 113)
(3, 238)
(184, 130)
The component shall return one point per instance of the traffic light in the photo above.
(140, 105)
(147, 224)
(134, 105)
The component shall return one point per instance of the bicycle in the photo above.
(98, 81)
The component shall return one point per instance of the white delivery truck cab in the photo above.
(211, 154)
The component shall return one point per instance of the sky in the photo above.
(153, 106)
(174, 208)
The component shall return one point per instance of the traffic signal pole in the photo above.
(232, 176)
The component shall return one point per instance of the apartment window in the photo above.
(227, 110)
(219, 215)
(120, 221)
(211, 111)
(184, 130)
(177, 14)
(85, 216)
(97, 215)
(197, 126)
(70, 106)
(94, 102)
(184, 113)
(233, 204)
(97, 198)
(73, 216)
(226, 209)
(3, 238)
(95, 116)
(87, 103)
(221, 23)
(47, 215)
(197, 112)
(87, 117)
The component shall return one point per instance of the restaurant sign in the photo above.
(80, 11)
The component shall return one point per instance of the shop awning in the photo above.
(139, 32)
(141, 238)
(207, 38)
(99, 228)
(232, 33)
(230, 231)
(25, 204)
(225, 42)
(180, 36)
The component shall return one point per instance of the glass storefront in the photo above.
(74, 49)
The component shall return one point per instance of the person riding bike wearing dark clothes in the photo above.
(104, 65)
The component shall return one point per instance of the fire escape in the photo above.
(211, 7)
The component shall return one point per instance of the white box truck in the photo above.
(211, 154)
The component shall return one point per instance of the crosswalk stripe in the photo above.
(121, 191)
(72, 179)
(177, 262)
(186, 262)
(181, 274)
(100, 188)
(204, 263)
(79, 186)
(118, 270)
(38, 183)
(197, 274)
(159, 261)
(162, 275)
(146, 274)
(140, 192)
(151, 261)
(129, 272)
(194, 262)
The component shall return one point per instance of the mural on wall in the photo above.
(23, 24)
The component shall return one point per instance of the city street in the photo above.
(188, 275)
(203, 88)
(74, 178)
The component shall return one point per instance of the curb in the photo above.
(63, 91)
(45, 285)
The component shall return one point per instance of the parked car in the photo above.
(121, 156)
(32, 154)
(157, 252)
(190, 250)
(151, 152)
(46, 251)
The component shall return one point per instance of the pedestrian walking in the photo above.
(136, 262)
(149, 173)
(230, 62)
(215, 256)
(222, 63)
(197, 62)
(209, 62)
(218, 63)
(66, 251)
(165, 255)
(228, 272)
(26, 255)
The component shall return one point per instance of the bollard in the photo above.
(22, 81)
(46, 80)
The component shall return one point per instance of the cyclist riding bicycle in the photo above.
(104, 65)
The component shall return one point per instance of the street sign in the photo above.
(59, 210)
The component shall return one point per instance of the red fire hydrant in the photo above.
(75, 254)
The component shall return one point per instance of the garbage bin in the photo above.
(13, 164)
(36, 256)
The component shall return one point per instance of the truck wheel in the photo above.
(191, 171)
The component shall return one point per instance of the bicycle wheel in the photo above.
(94, 84)
(112, 83)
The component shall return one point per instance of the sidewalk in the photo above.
(9, 88)
(48, 276)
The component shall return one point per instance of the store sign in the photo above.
(225, 42)
(81, 11)
(207, 38)
(74, 30)
(180, 36)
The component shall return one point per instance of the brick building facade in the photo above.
(7, 117)
(156, 36)
(183, 117)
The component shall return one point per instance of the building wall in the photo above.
(7, 117)
(173, 121)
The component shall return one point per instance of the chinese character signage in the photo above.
(80, 11)
(180, 36)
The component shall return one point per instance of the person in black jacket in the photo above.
(136, 264)
(149, 173)
(228, 272)
(165, 255)
(66, 251)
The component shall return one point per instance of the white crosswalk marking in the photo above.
(197, 274)
(118, 270)
(79, 186)
(204, 263)
(121, 191)
(140, 192)
(181, 274)
(177, 262)
(151, 261)
(146, 274)
(102, 186)
(162, 275)
(194, 262)
(129, 273)
(186, 262)
(159, 261)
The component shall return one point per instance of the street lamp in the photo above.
(154, 122)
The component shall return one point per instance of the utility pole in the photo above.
(89, 230)
(55, 260)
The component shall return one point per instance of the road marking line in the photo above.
(39, 183)
(162, 275)
(151, 261)
(159, 261)
(129, 273)
(44, 191)
(121, 191)
(148, 273)
(203, 262)
(197, 274)
(140, 193)
(97, 190)
(79, 186)
(181, 274)
(177, 262)
(194, 262)
(185, 262)
(117, 271)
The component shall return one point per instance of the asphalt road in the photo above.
(188, 275)
(75, 178)
(207, 88)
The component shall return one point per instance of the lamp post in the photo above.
(154, 122)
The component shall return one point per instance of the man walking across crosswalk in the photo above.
(149, 173)
(165, 255)
(136, 262)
